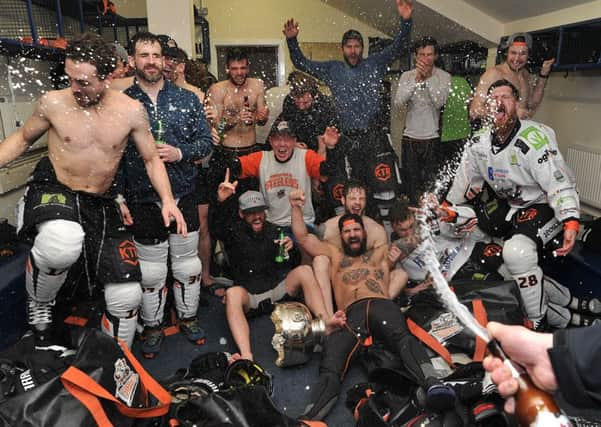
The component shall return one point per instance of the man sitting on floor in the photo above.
(259, 279)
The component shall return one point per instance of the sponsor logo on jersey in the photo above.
(522, 146)
(535, 137)
(514, 160)
(559, 177)
(494, 173)
(492, 250)
(545, 157)
(56, 198)
(549, 230)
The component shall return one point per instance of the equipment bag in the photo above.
(105, 386)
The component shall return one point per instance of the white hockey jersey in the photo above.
(529, 169)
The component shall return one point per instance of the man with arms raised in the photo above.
(354, 201)
(360, 278)
(513, 69)
(67, 210)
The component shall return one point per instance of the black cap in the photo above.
(168, 45)
(352, 35)
(281, 126)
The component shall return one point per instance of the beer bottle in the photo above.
(159, 133)
(221, 128)
(281, 255)
(533, 406)
(247, 108)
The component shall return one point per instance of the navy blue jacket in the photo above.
(184, 126)
(356, 90)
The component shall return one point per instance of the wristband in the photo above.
(571, 225)
(542, 76)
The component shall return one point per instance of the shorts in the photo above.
(203, 192)
(148, 227)
(109, 254)
(273, 295)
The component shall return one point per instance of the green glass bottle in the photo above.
(281, 256)
(159, 133)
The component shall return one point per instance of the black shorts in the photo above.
(148, 226)
(109, 254)
(203, 192)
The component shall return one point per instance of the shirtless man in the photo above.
(175, 69)
(240, 100)
(360, 280)
(67, 211)
(354, 201)
(514, 70)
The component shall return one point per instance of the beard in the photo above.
(346, 247)
(142, 75)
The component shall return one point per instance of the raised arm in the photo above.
(140, 133)
(309, 242)
(300, 61)
(536, 97)
(478, 105)
(19, 141)
(400, 43)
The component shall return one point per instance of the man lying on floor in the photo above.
(259, 280)
(360, 280)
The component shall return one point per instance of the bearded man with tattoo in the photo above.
(360, 280)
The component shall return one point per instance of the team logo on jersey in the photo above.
(492, 250)
(382, 172)
(535, 137)
(128, 252)
(337, 192)
(527, 215)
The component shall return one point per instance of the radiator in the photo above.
(586, 164)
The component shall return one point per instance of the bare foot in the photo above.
(337, 321)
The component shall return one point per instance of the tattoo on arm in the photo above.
(374, 286)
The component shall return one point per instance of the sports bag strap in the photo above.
(430, 341)
(87, 391)
(482, 318)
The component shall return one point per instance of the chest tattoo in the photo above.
(379, 273)
(367, 256)
(374, 286)
(353, 276)
(346, 262)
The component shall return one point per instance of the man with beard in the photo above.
(360, 279)
(354, 200)
(183, 137)
(513, 69)
(521, 163)
(259, 281)
(67, 210)
(355, 85)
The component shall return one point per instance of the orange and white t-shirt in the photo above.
(278, 179)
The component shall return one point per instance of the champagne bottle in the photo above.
(533, 406)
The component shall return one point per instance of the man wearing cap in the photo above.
(513, 69)
(284, 169)
(122, 62)
(355, 85)
(183, 137)
(259, 280)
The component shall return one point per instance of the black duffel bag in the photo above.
(103, 386)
